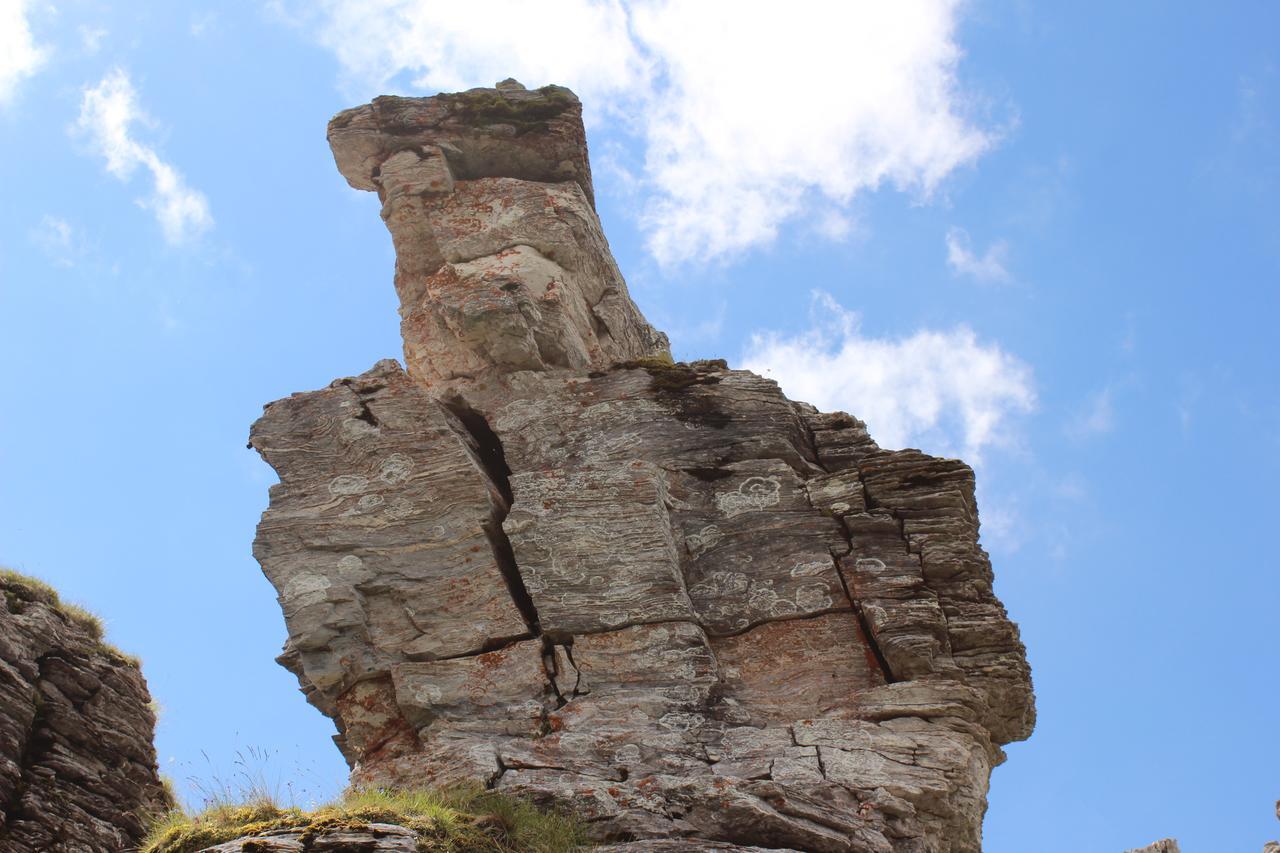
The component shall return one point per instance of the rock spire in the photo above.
(544, 557)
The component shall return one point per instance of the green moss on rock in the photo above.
(489, 106)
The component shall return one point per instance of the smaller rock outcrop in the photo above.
(77, 765)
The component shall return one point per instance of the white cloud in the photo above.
(943, 391)
(989, 266)
(20, 56)
(447, 46)
(1004, 530)
(57, 239)
(108, 113)
(745, 114)
(1096, 418)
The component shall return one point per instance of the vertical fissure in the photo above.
(863, 623)
(493, 459)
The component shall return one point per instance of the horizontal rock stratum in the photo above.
(664, 596)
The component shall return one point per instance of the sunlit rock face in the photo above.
(663, 595)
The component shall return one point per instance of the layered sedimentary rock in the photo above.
(546, 558)
(77, 765)
(370, 838)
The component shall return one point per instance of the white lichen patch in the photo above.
(813, 568)
(755, 493)
(348, 484)
(368, 503)
(306, 588)
(395, 469)
(704, 539)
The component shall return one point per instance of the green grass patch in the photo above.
(464, 820)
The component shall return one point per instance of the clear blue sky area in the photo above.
(1043, 236)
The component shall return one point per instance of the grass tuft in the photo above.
(460, 820)
(21, 590)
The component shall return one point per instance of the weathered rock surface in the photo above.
(374, 838)
(662, 595)
(501, 264)
(1164, 845)
(77, 765)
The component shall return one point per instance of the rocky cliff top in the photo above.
(545, 558)
(77, 765)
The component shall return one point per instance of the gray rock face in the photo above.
(77, 765)
(662, 595)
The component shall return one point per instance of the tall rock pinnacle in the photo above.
(501, 264)
(547, 559)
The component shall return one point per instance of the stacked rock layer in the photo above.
(77, 765)
(664, 596)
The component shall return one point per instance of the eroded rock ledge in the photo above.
(662, 595)
(77, 765)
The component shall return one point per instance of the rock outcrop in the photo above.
(662, 595)
(1164, 845)
(77, 765)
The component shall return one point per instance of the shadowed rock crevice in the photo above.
(490, 453)
(873, 646)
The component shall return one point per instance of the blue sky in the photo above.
(1042, 236)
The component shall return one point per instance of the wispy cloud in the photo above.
(20, 56)
(943, 391)
(91, 38)
(57, 239)
(1004, 529)
(1096, 417)
(990, 266)
(109, 113)
(853, 97)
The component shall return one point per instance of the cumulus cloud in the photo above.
(989, 266)
(109, 113)
(745, 113)
(20, 56)
(942, 391)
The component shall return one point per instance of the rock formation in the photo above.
(662, 595)
(1164, 845)
(77, 765)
